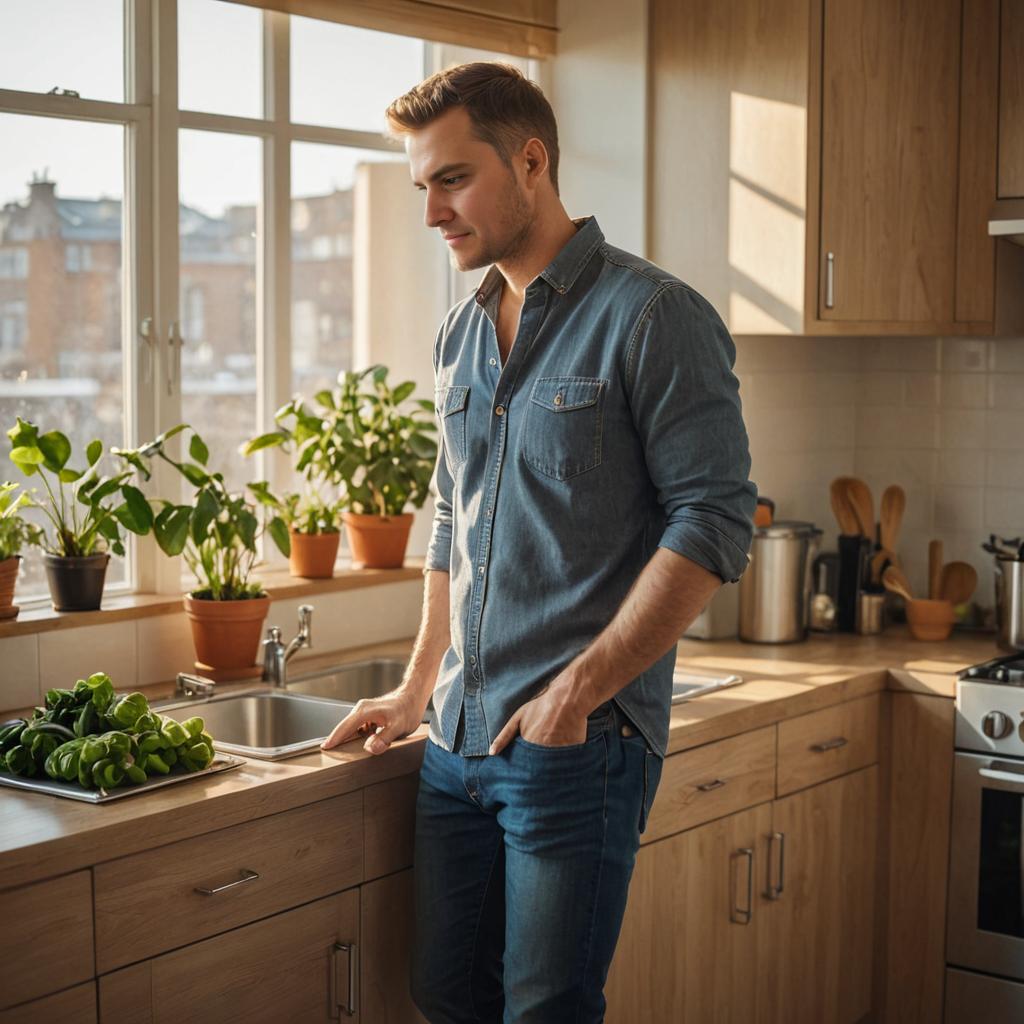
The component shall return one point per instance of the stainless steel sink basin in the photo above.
(687, 685)
(266, 724)
(350, 682)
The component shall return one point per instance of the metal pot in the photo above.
(776, 588)
(1009, 577)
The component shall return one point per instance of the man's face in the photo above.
(472, 198)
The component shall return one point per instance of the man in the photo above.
(592, 495)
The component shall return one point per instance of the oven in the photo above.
(985, 910)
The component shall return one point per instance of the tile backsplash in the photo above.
(943, 417)
(150, 650)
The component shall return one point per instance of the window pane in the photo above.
(346, 77)
(327, 184)
(220, 58)
(65, 44)
(218, 237)
(61, 354)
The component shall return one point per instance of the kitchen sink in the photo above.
(266, 724)
(687, 685)
(350, 682)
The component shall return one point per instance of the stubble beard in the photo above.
(516, 225)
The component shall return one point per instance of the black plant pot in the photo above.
(76, 584)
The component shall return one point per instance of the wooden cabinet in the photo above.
(1011, 100)
(300, 966)
(819, 923)
(690, 943)
(55, 916)
(73, 1006)
(767, 914)
(784, 131)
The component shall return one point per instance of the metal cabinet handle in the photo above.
(774, 892)
(738, 914)
(350, 1006)
(830, 280)
(706, 787)
(833, 744)
(246, 876)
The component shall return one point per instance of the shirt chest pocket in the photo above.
(452, 403)
(562, 430)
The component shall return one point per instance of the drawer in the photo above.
(151, 902)
(74, 1006)
(55, 917)
(713, 781)
(828, 743)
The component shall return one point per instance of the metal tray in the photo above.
(72, 791)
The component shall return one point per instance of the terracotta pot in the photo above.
(8, 577)
(226, 634)
(377, 542)
(76, 584)
(313, 554)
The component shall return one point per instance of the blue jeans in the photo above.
(523, 863)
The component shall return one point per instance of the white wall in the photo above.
(597, 85)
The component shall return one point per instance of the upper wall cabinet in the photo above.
(810, 171)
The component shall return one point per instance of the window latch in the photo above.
(55, 91)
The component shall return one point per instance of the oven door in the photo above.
(985, 919)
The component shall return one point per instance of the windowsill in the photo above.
(278, 583)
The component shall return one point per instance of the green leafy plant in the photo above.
(15, 532)
(216, 532)
(365, 437)
(302, 513)
(88, 512)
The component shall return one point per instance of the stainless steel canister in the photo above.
(775, 590)
(1010, 603)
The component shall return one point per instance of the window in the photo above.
(293, 226)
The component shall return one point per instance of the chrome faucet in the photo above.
(276, 654)
(188, 685)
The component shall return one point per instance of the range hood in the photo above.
(1007, 220)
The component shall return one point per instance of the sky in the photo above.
(341, 77)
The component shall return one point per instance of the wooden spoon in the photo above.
(841, 507)
(959, 580)
(895, 579)
(890, 516)
(934, 569)
(859, 496)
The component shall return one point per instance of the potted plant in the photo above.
(372, 442)
(15, 533)
(217, 533)
(87, 512)
(312, 529)
(311, 520)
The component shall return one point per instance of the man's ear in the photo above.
(535, 158)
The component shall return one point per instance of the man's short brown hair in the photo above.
(505, 107)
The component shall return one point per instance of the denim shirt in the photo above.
(613, 428)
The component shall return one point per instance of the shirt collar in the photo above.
(561, 273)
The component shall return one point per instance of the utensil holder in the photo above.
(1009, 578)
(854, 561)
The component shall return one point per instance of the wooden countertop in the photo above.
(42, 836)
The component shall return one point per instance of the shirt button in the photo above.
(472, 660)
(558, 399)
(500, 411)
(480, 570)
(493, 361)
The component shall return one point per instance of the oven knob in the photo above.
(996, 725)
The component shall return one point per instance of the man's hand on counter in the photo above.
(382, 721)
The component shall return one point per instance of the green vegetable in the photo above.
(125, 712)
(10, 734)
(20, 761)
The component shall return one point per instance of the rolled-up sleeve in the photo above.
(439, 550)
(685, 402)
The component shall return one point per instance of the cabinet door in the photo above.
(284, 968)
(386, 943)
(689, 943)
(889, 145)
(818, 930)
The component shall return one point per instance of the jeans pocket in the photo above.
(652, 776)
(452, 403)
(562, 430)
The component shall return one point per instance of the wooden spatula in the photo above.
(890, 516)
(841, 507)
(859, 496)
(934, 569)
(959, 580)
(894, 579)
